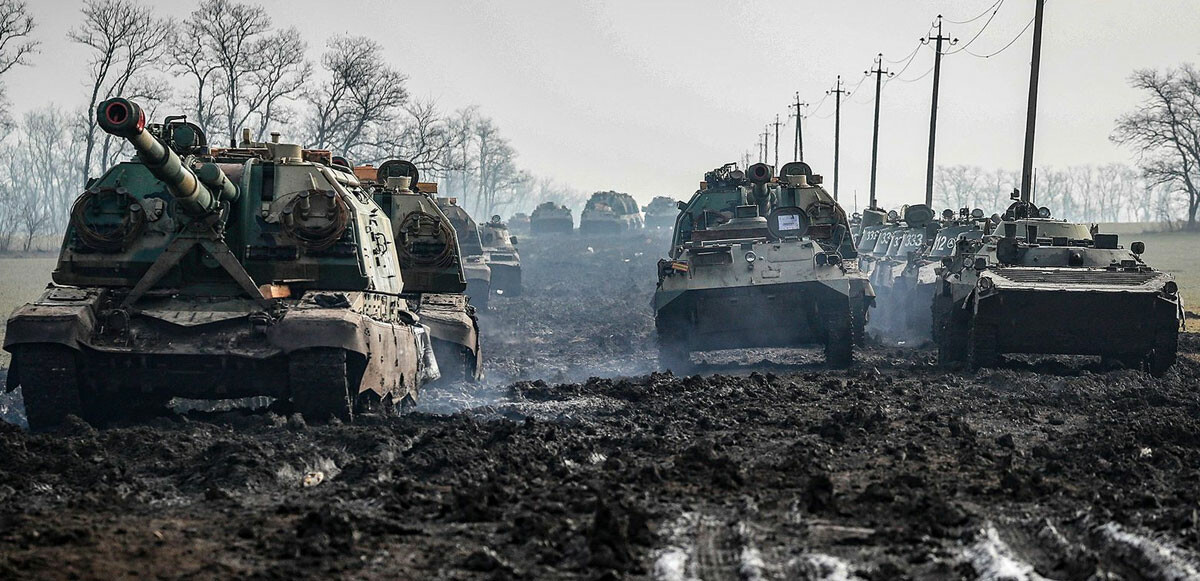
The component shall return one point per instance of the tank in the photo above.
(757, 262)
(500, 247)
(610, 212)
(551, 218)
(661, 212)
(435, 282)
(519, 223)
(1043, 286)
(206, 273)
(475, 265)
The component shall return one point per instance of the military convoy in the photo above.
(610, 212)
(475, 265)
(756, 262)
(551, 218)
(213, 273)
(1038, 285)
(435, 282)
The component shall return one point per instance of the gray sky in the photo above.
(644, 96)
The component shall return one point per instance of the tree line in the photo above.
(228, 67)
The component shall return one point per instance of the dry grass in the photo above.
(21, 280)
(1177, 253)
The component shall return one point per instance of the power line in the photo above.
(913, 80)
(981, 14)
(1005, 47)
(981, 29)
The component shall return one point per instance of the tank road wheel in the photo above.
(981, 345)
(838, 321)
(49, 385)
(319, 383)
(1166, 346)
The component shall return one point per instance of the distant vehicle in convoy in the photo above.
(500, 248)
(519, 223)
(610, 212)
(551, 218)
(915, 287)
(661, 212)
(1043, 286)
(215, 273)
(475, 265)
(435, 283)
(759, 262)
(914, 230)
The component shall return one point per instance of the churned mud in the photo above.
(766, 465)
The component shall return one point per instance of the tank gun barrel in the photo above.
(198, 189)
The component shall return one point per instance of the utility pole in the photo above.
(766, 143)
(798, 153)
(937, 75)
(1031, 112)
(837, 92)
(776, 124)
(878, 72)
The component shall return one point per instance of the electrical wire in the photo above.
(1005, 47)
(923, 75)
(970, 20)
(987, 23)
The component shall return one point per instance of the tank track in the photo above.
(981, 345)
(49, 385)
(319, 384)
(1166, 348)
(949, 334)
(673, 351)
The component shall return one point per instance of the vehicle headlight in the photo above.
(751, 256)
(1170, 288)
(986, 285)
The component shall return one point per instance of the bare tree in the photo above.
(361, 95)
(16, 24)
(128, 42)
(279, 78)
(1165, 131)
(958, 186)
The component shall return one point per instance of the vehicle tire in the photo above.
(1166, 347)
(981, 345)
(319, 383)
(49, 385)
(839, 335)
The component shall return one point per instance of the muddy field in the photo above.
(764, 466)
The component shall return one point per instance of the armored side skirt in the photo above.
(1068, 322)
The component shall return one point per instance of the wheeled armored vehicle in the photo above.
(435, 283)
(610, 212)
(756, 262)
(210, 273)
(1043, 286)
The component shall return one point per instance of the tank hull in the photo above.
(552, 225)
(609, 224)
(218, 349)
(506, 277)
(454, 329)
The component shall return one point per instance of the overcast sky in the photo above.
(644, 96)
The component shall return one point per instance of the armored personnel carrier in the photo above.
(914, 230)
(1038, 285)
(757, 263)
(551, 218)
(474, 260)
(209, 273)
(435, 283)
(916, 285)
(609, 212)
(661, 212)
(500, 247)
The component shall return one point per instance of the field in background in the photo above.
(21, 280)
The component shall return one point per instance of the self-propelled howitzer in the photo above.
(213, 274)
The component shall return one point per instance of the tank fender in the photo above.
(62, 316)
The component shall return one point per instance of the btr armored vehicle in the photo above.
(756, 262)
(551, 218)
(609, 212)
(435, 283)
(661, 212)
(1038, 285)
(479, 274)
(209, 273)
(501, 250)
